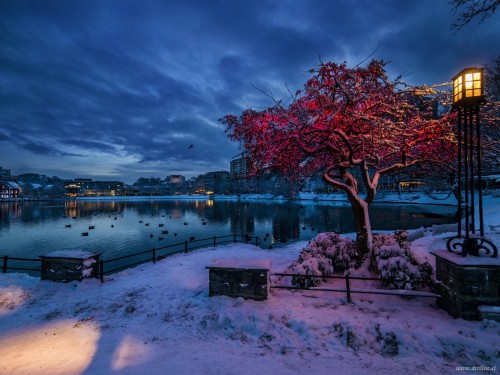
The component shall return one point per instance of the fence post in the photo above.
(234, 237)
(256, 241)
(215, 241)
(186, 247)
(101, 270)
(4, 268)
(154, 255)
(348, 288)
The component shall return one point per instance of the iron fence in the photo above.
(113, 265)
(110, 266)
(16, 260)
(348, 289)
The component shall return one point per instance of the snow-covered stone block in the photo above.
(245, 278)
(489, 312)
(70, 265)
(465, 283)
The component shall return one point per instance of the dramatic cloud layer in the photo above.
(120, 89)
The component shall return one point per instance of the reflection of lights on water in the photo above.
(49, 349)
(176, 213)
(71, 208)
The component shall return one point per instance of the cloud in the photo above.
(141, 81)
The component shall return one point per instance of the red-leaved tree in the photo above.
(353, 125)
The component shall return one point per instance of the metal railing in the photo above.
(6, 259)
(113, 265)
(348, 290)
(159, 253)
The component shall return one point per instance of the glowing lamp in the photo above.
(468, 87)
(468, 95)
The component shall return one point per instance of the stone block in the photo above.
(69, 265)
(489, 312)
(466, 283)
(238, 278)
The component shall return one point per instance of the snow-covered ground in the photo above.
(159, 319)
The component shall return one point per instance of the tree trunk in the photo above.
(364, 237)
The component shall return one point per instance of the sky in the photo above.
(122, 89)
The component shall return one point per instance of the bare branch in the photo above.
(470, 9)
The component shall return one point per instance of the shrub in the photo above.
(397, 267)
(326, 253)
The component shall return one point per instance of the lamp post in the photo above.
(468, 95)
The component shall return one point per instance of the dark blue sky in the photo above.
(119, 89)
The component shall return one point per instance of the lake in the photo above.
(31, 229)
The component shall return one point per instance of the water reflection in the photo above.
(116, 228)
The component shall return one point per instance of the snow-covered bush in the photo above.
(398, 269)
(326, 253)
(341, 251)
(329, 252)
(309, 263)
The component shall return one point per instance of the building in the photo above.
(9, 187)
(197, 184)
(85, 187)
(9, 190)
(216, 182)
(175, 179)
(238, 168)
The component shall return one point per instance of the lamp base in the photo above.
(475, 246)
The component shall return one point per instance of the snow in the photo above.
(144, 197)
(256, 264)
(468, 260)
(493, 309)
(159, 319)
(72, 254)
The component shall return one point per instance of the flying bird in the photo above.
(190, 147)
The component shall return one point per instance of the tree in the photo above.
(469, 9)
(351, 124)
(492, 80)
(490, 115)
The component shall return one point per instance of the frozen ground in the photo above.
(159, 319)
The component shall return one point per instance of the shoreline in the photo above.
(441, 199)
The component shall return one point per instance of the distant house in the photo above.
(9, 190)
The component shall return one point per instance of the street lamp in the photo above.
(468, 95)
